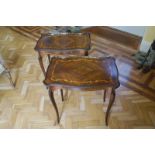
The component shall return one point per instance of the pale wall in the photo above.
(149, 36)
(137, 30)
(149, 33)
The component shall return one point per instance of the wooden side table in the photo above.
(62, 44)
(82, 73)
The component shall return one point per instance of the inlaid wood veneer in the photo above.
(82, 73)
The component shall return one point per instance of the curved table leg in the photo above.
(41, 65)
(112, 98)
(86, 53)
(51, 95)
(104, 96)
(62, 97)
(49, 58)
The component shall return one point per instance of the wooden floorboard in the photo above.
(116, 36)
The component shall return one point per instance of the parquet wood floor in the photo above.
(28, 105)
(122, 38)
(32, 32)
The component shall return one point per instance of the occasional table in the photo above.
(82, 73)
(62, 44)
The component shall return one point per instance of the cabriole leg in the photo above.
(41, 65)
(104, 96)
(112, 98)
(62, 96)
(51, 95)
(49, 58)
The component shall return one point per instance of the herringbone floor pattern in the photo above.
(32, 32)
(28, 105)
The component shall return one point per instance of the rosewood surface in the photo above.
(62, 44)
(63, 41)
(83, 73)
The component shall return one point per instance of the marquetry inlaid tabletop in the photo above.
(67, 41)
(82, 71)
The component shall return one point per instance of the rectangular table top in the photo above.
(82, 72)
(63, 41)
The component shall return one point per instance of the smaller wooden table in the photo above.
(82, 73)
(62, 44)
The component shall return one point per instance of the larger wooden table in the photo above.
(82, 73)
